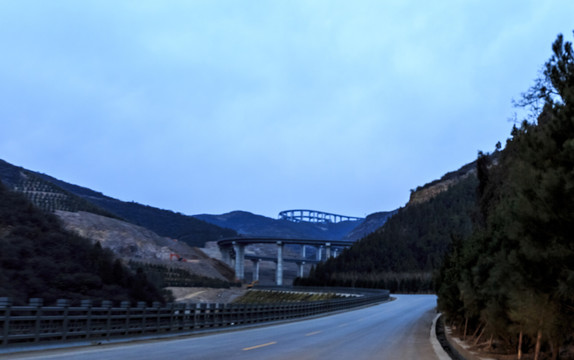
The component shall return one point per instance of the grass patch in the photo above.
(266, 297)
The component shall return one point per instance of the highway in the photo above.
(394, 330)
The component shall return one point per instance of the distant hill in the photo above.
(52, 194)
(248, 224)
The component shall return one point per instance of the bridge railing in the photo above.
(36, 323)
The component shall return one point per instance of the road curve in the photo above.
(395, 330)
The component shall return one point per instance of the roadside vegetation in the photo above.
(509, 286)
(265, 297)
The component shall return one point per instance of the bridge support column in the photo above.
(318, 254)
(300, 268)
(279, 272)
(239, 261)
(327, 251)
(225, 254)
(335, 252)
(255, 276)
(303, 251)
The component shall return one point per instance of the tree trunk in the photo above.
(480, 335)
(519, 356)
(538, 343)
(555, 346)
(476, 331)
(465, 327)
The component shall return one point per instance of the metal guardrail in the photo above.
(36, 323)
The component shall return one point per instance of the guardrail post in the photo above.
(199, 316)
(65, 304)
(37, 303)
(178, 316)
(107, 304)
(141, 309)
(125, 305)
(156, 305)
(5, 308)
(87, 304)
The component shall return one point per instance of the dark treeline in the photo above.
(402, 254)
(38, 258)
(511, 282)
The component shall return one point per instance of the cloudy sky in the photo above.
(213, 106)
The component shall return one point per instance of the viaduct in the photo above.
(314, 216)
(238, 244)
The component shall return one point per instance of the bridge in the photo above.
(301, 215)
(238, 244)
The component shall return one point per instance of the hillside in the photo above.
(38, 258)
(248, 224)
(52, 194)
(369, 225)
(428, 191)
(136, 243)
(401, 255)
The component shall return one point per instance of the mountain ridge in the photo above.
(52, 194)
(249, 224)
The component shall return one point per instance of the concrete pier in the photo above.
(279, 273)
(238, 244)
(239, 260)
(255, 269)
(300, 268)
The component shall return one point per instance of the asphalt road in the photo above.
(394, 330)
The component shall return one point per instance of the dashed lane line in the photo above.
(313, 333)
(259, 346)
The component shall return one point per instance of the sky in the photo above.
(214, 106)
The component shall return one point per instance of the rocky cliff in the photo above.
(428, 191)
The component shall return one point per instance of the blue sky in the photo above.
(214, 106)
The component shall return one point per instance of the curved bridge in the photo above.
(301, 215)
(238, 245)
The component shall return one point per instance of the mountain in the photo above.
(52, 194)
(248, 224)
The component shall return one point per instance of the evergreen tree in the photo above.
(517, 268)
